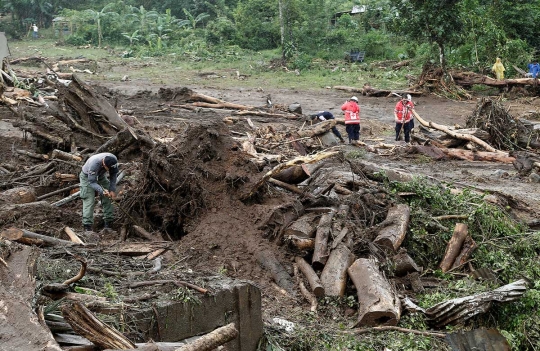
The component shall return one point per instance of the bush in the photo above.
(221, 31)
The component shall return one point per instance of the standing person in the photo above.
(325, 115)
(403, 115)
(34, 31)
(352, 119)
(498, 68)
(93, 180)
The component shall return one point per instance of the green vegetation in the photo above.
(504, 246)
(468, 33)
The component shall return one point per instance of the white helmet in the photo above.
(354, 98)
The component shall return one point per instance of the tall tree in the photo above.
(436, 21)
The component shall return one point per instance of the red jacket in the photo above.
(403, 111)
(352, 112)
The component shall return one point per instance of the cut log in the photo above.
(312, 278)
(86, 324)
(23, 233)
(317, 129)
(33, 155)
(293, 175)
(320, 253)
(305, 292)
(213, 339)
(404, 264)
(20, 195)
(395, 228)
(468, 247)
(379, 304)
(267, 260)
(454, 246)
(301, 243)
(19, 322)
(66, 156)
(334, 274)
(303, 227)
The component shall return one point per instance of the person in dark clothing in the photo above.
(325, 115)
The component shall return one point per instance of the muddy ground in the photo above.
(222, 234)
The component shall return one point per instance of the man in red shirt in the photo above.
(352, 119)
(403, 115)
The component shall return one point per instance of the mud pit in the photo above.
(191, 189)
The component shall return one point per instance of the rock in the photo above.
(499, 173)
(534, 178)
(295, 108)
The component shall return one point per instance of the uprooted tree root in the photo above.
(435, 80)
(506, 132)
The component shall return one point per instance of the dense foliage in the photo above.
(469, 33)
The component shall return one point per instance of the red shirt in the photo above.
(352, 112)
(403, 111)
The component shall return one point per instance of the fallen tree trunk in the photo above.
(454, 246)
(453, 134)
(404, 264)
(267, 259)
(86, 324)
(334, 274)
(21, 329)
(66, 156)
(317, 129)
(314, 282)
(468, 155)
(213, 339)
(20, 195)
(293, 175)
(15, 234)
(468, 79)
(395, 228)
(379, 304)
(320, 253)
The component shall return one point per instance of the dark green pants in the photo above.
(88, 196)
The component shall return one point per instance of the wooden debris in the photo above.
(86, 324)
(137, 249)
(404, 264)
(459, 310)
(321, 252)
(66, 156)
(19, 195)
(314, 282)
(334, 274)
(304, 291)
(17, 290)
(379, 304)
(17, 234)
(301, 243)
(454, 134)
(213, 339)
(267, 259)
(395, 228)
(303, 227)
(179, 283)
(454, 246)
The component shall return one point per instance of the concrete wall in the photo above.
(229, 301)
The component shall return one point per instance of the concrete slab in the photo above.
(230, 301)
